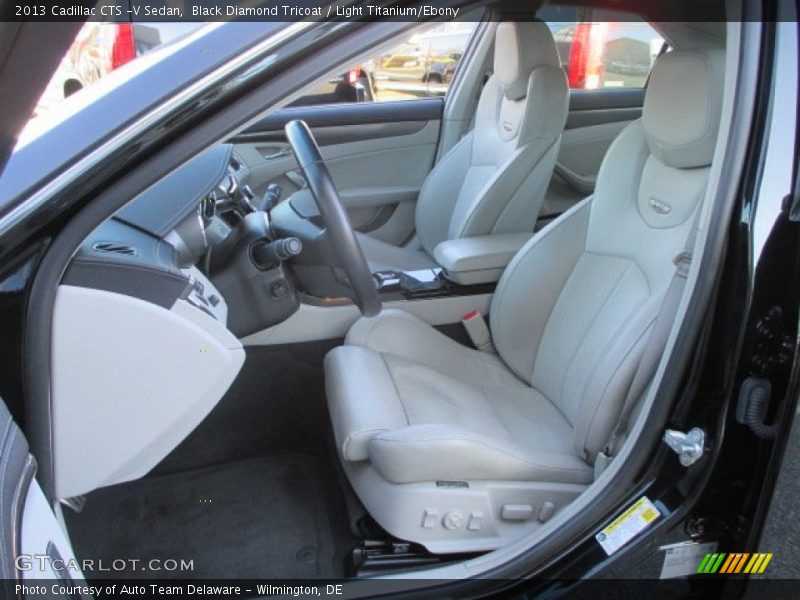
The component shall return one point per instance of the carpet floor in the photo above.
(260, 518)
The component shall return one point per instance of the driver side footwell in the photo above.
(259, 518)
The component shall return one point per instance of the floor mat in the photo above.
(260, 518)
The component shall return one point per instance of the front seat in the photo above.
(461, 450)
(494, 179)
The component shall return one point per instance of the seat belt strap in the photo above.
(652, 352)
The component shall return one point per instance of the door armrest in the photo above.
(482, 259)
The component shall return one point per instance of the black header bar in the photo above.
(143, 11)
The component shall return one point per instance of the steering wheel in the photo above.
(334, 216)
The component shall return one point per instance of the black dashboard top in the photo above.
(128, 254)
(122, 259)
(159, 209)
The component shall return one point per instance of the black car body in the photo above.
(744, 326)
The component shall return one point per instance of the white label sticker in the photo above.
(639, 516)
(683, 558)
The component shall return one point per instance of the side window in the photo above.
(422, 66)
(600, 54)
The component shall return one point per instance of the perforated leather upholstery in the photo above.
(570, 319)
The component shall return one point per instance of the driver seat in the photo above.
(461, 450)
(494, 179)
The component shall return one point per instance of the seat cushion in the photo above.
(428, 409)
(385, 257)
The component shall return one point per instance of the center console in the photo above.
(424, 283)
(462, 279)
(468, 266)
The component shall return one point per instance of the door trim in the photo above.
(355, 113)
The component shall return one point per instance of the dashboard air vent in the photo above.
(114, 247)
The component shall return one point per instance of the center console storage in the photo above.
(478, 260)
(424, 284)
(468, 266)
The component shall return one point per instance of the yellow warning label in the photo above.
(636, 518)
(649, 515)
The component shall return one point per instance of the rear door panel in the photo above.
(378, 153)
(595, 119)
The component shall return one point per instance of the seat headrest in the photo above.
(518, 49)
(682, 106)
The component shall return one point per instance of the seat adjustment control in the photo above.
(475, 520)
(546, 511)
(516, 512)
(429, 518)
(453, 519)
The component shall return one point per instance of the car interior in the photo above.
(373, 337)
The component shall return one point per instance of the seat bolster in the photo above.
(512, 196)
(362, 399)
(398, 333)
(447, 453)
(440, 192)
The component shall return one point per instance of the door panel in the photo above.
(379, 154)
(607, 57)
(602, 99)
(43, 536)
(595, 119)
(32, 535)
(424, 109)
(582, 150)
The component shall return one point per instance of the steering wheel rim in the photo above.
(334, 216)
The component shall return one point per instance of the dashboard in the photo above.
(193, 235)
(147, 319)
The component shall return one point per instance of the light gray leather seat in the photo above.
(494, 179)
(461, 450)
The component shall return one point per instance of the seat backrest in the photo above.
(573, 310)
(494, 179)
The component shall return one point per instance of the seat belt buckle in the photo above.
(478, 331)
(682, 261)
(601, 461)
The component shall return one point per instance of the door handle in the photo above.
(274, 152)
(280, 154)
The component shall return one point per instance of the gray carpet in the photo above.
(259, 518)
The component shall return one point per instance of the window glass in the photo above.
(422, 66)
(606, 54)
(100, 48)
